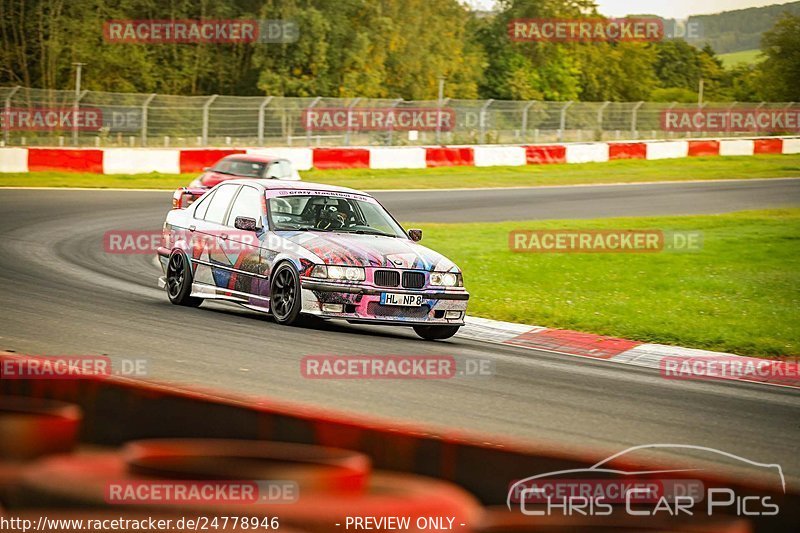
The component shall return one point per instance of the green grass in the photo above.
(628, 171)
(748, 57)
(740, 293)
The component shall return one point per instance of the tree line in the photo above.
(378, 49)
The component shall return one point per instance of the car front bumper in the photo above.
(362, 303)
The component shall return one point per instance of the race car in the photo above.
(296, 249)
(246, 166)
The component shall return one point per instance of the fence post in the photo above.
(6, 125)
(261, 110)
(524, 128)
(76, 107)
(391, 129)
(563, 123)
(634, 130)
(670, 108)
(482, 138)
(600, 118)
(347, 131)
(309, 129)
(205, 118)
(144, 118)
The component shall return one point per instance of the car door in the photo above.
(213, 266)
(242, 247)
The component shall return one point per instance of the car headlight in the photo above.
(343, 273)
(446, 279)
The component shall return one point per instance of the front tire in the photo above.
(436, 333)
(179, 281)
(285, 300)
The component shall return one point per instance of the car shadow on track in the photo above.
(310, 323)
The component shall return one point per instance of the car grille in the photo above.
(413, 280)
(387, 278)
(376, 309)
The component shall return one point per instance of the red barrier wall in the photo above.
(703, 148)
(197, 160)
(77, 160)
(448, 157)
(627, 151)
(768, 146)
(539, 155)
(325, 158)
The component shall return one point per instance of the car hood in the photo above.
(369, 251)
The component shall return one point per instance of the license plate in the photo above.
(405, 300)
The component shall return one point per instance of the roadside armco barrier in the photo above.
(185, 160)
(349, 465)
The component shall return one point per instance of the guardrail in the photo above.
(185, 160)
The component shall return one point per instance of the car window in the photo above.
(274, 171)
(279, 170)
(219, 204)
(286, 169)
(222, 166)
(375, 217)
(249, 169)
(247, 204)
(330, 213)
(202, 206)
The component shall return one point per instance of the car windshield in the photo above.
(247, 169)
(321, 212)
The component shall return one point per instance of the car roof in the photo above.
(253, 158)
(275, 184)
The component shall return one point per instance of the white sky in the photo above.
(679, 9)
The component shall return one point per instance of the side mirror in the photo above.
(245, 224)
(415, 234)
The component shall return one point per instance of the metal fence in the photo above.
(130, 119)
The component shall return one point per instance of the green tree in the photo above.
(781, 69)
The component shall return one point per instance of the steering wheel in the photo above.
(331, 218)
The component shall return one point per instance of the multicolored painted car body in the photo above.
(292, 249)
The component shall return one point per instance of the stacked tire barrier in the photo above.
(186, 160)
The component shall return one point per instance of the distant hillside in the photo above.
(734, 31)
(747, 57)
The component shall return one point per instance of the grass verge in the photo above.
(740, 293)
(625, 171)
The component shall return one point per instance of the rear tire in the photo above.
(179, 281)
(285, 300)
(436, 333)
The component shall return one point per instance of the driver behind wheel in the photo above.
(334, 217)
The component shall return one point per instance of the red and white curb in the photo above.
(187, 160)
(673, 362)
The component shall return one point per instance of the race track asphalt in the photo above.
(62, 294)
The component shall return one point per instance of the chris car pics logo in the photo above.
(604, 489)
